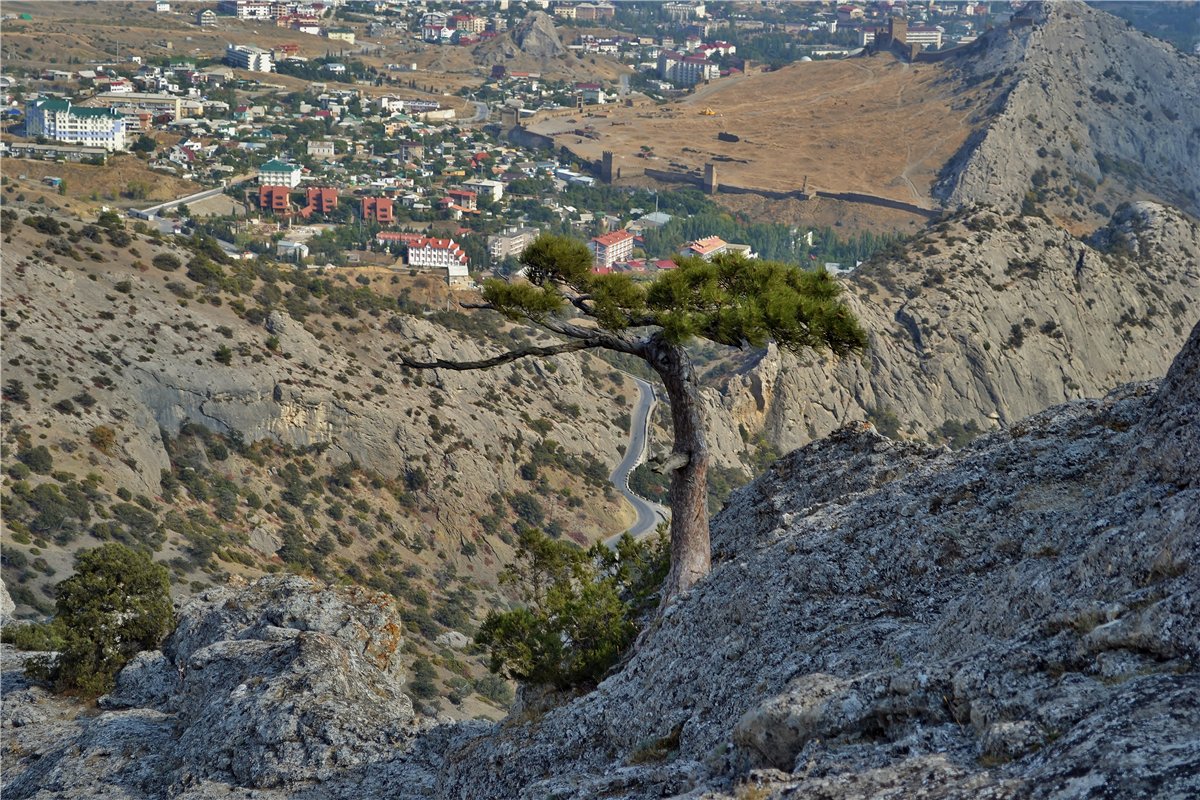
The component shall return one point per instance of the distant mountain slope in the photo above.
(985, 319)
(1098, 113)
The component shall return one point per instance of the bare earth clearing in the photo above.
(871, 125)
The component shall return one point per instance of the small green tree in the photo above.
(731, 300)
(115, 605)
(580, 611)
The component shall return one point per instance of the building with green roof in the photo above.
(63, 121)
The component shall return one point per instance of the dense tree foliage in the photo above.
(579, 611)
(115, 605)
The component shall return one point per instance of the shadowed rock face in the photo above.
(1014, 620)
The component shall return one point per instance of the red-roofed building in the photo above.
(665, 263)
(464, 198)
(379, 209)
(274, 199)
(392, 238)
(319, 200)
(706, 248)
(610, 248)
(440, 254)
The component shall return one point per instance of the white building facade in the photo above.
(244, 56)
(64, 122)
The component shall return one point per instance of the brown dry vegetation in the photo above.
(871, 125)
(105, 183)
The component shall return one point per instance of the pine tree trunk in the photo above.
(690, 548)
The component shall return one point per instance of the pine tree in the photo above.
(731, 301)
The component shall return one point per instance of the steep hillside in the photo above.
(883, 620)
(1097, 113)
(237, 419)
(987, 318)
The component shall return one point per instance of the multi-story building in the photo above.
(464, 199)
(279, 173)
(154, 104)
(682, 12)
(244, 56)
(611, 248)
(705, 248)
(206, 18)
(379, 209)
(440, 254)
(595, 12)
(64, 122)
(485, 187)
(684, 70)
(511, 242)
(275, 199)
(321, 148)
(246, 9)
(925, 36)
(340, 35)
(319, 200)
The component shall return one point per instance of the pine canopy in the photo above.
(731, 300)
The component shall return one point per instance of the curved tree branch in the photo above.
(503, 358)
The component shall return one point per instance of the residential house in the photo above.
(464, 198)
(274, 198)
(319, 200)
(206, 18)
(321, 148)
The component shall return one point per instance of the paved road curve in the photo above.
(648, 514)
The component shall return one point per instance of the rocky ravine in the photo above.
(1092, 100)
(987, 318)
(1018, 619)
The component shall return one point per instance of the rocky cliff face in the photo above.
(987, 318)
(1016, 620)
(282, 683)
(1096, 111)
(534, 39)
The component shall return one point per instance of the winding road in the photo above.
(648, 514)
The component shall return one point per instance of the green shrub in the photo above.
(581, 608)
(37, 459)
(115, 605)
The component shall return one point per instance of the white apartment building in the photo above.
(485, 188)
(512, 242)
(440, 254)
(244, 56)
(684, 70)
(246, 9)
(279, 173)
(64, 122)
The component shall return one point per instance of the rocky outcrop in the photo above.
(280, 684)
(1091, 101)
(985, 319)
(534, 39)
(885, 619)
